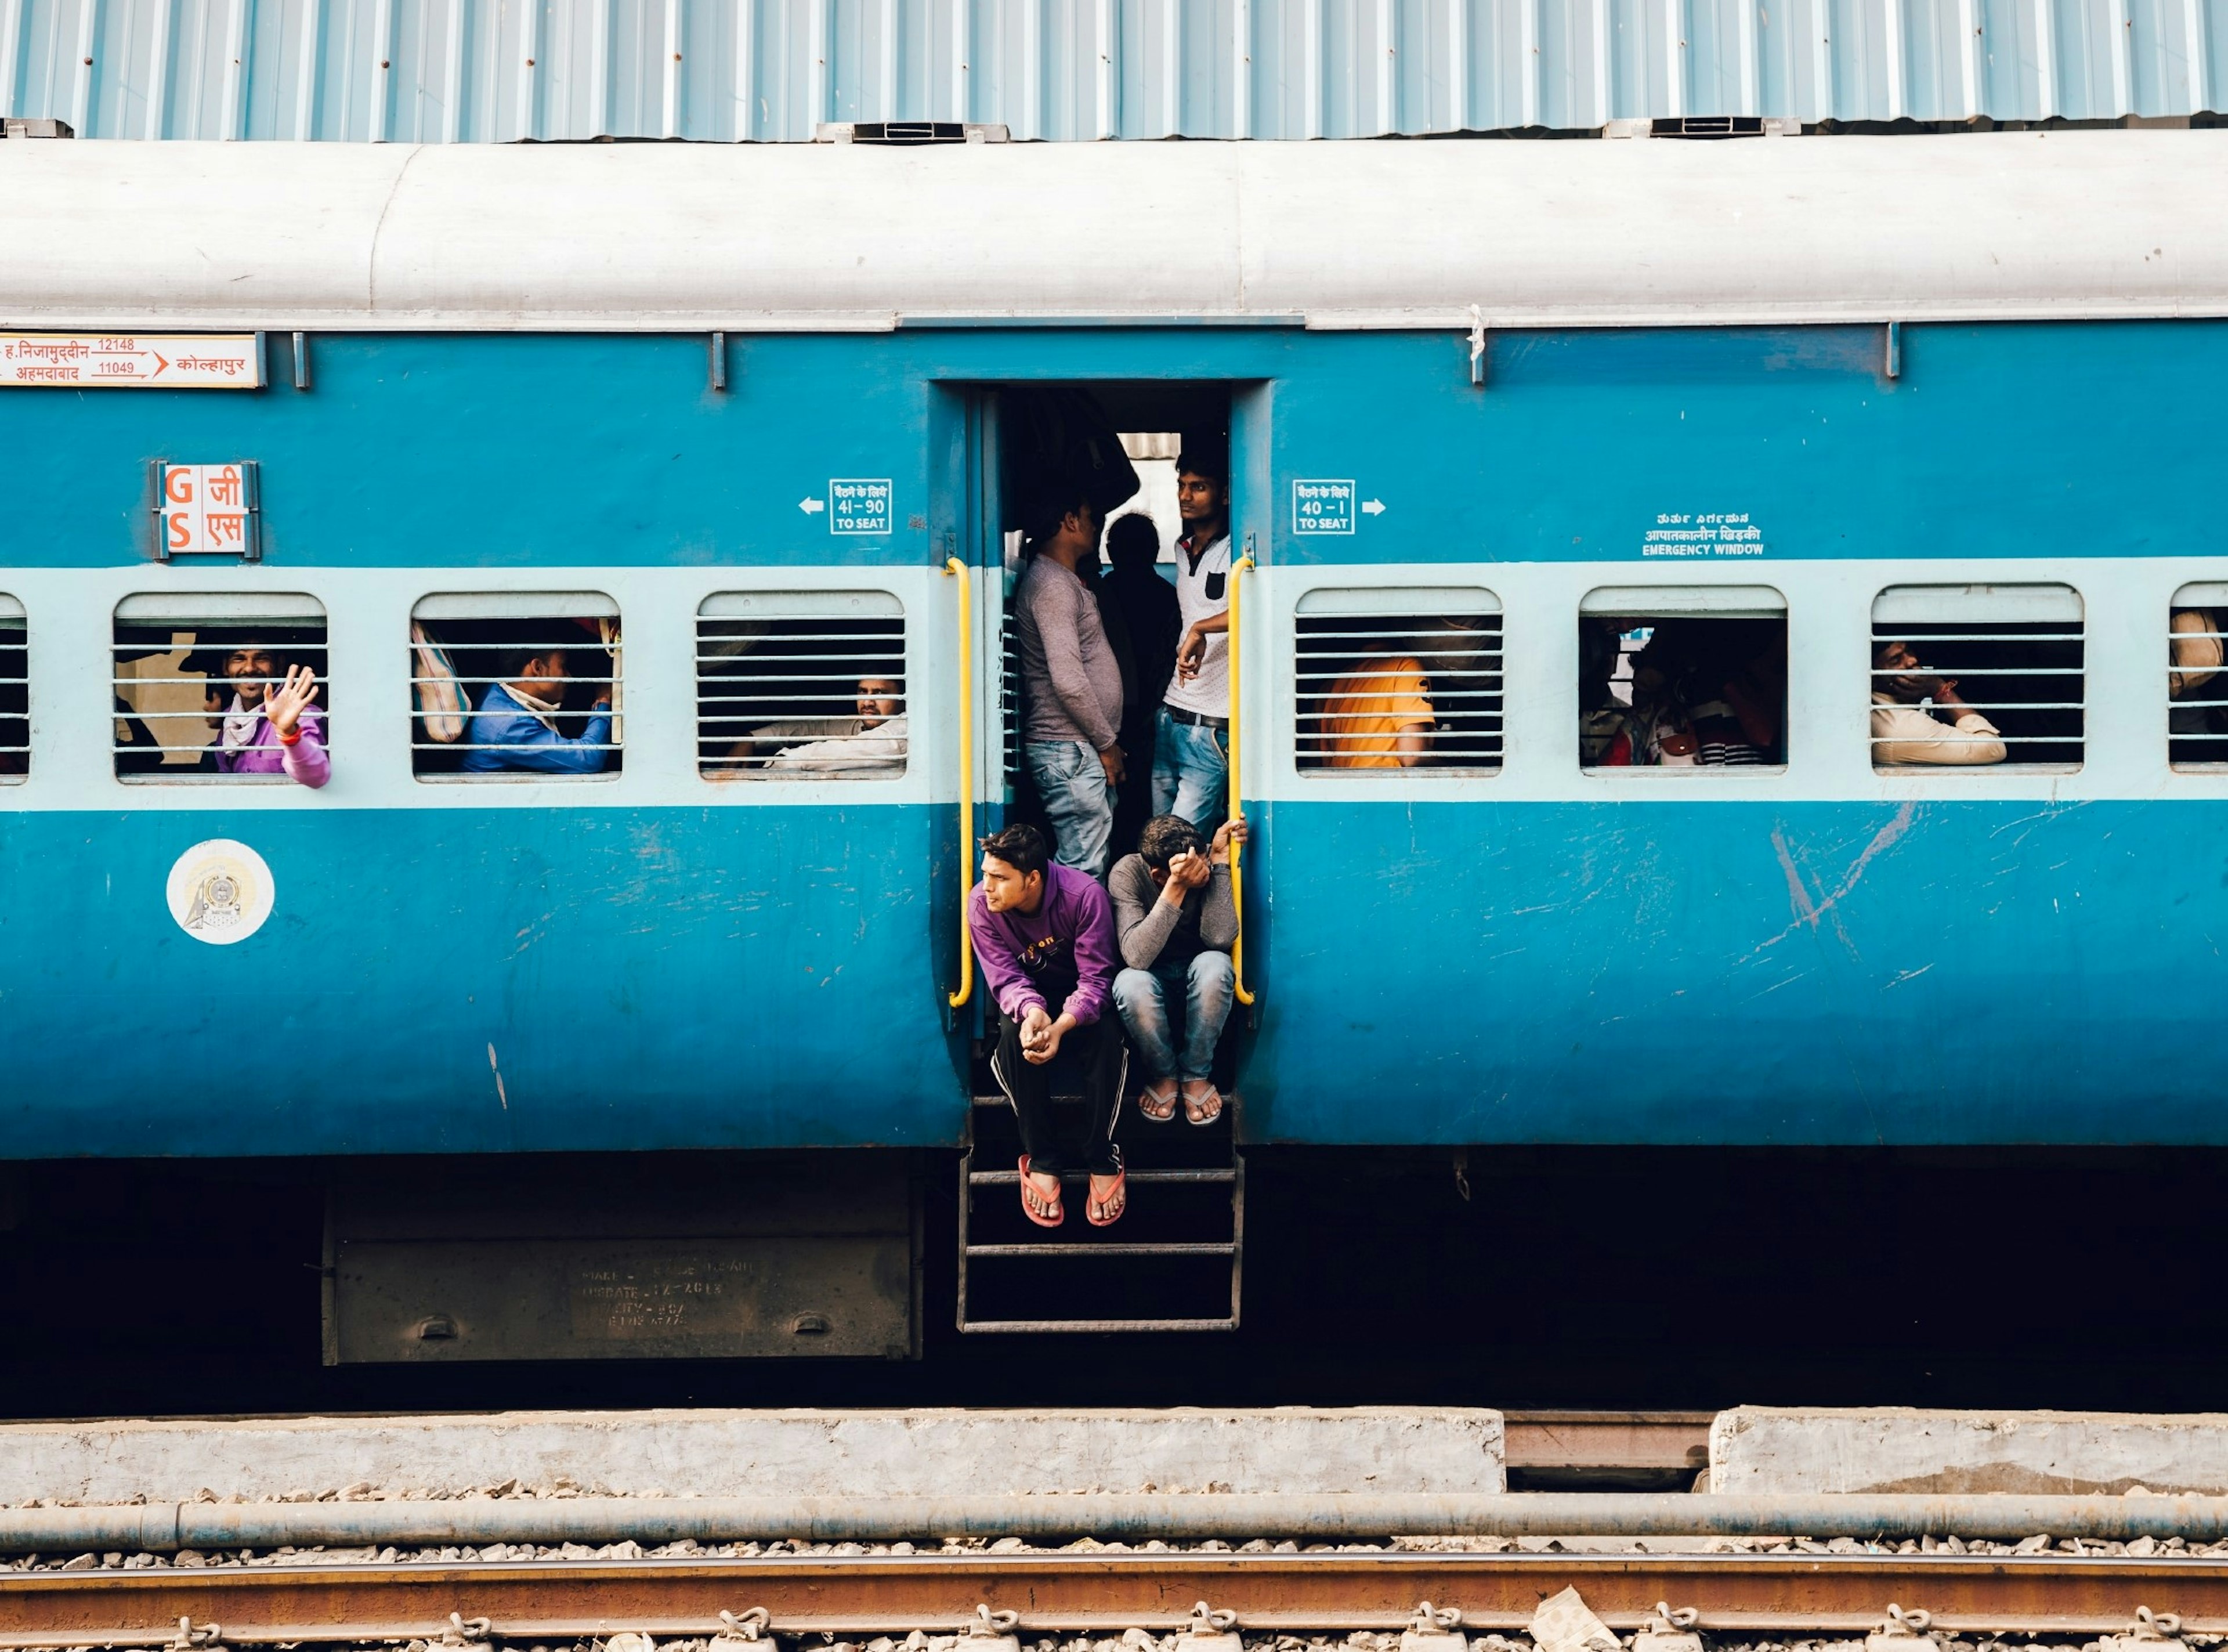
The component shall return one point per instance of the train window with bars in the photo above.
(516, 685)
(800, 685)
(2197, 688)
(1977, 675)
(15, 693)
(1678, 677)
(190, 675)
(1395, 679)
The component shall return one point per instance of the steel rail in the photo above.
(1066, 1592)
(1132, 1516)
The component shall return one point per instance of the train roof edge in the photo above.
(2059, 225)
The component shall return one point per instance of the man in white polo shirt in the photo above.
(1191, 761)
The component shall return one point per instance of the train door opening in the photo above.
(1106, 453)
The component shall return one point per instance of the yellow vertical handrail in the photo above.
(1242, 566)
(953, 565)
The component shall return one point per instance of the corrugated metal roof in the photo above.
(491, 71)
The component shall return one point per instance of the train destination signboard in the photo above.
(141, 360)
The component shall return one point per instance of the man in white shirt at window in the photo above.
(1191, 758)
(1905, 729)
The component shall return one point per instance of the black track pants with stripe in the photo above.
(1105, 1060)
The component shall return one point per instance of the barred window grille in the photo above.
(1682, 677)
(15, 693)
(2197, 688)
(183, 667)
(479, 713)
(2012, 654)
(800, 685)
(1398, 680)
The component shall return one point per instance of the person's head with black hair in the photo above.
(1062, 523)
(1165, 837)
(249, 665)
(1133, 544)
(1014, 863)
(1203, 493)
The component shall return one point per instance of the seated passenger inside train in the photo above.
(2197, 723)
(269, 722)
(220, 687)
(1699, 692)
(870, 743)
(1919, 717)
(1380, 714)
(515, 725)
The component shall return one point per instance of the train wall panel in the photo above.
(449, 71)
(1823, 956)
(480, 981)
(1704, 973)
(519, 452)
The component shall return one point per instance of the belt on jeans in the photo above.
(1195, 719)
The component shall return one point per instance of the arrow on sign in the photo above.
(812, 507)
(1373, 507)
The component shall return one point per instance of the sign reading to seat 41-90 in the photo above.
(142, 360)
(858, 505)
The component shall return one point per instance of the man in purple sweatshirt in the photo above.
(1045, 936)
(271, 726)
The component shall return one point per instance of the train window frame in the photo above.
(2198, 595)
(861, 612)
(1630, 607)
(199, 613)
(15, 676)
(1413, 605)
(432, 658)
(1952, 611)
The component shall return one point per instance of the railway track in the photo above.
(1739, 1595)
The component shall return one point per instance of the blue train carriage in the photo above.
(735, 429)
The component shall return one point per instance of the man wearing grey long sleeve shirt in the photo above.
(1072, 685)
(1176, 920)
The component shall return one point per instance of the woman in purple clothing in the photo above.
(271, 727)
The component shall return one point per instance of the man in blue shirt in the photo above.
(515, 726)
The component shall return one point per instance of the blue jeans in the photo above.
(1079, 800)
(1190, 772)
(1207, 983)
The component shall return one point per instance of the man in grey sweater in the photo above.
(1175, 921)
(1071, 684)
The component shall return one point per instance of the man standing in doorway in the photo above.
(1072, 681)
(1191, 760)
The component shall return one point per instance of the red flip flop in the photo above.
(1054, 1213)
(1114, 1204)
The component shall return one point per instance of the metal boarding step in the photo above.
(1161, 1247)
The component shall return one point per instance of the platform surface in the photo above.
(1760, 1448)
(733, 1453)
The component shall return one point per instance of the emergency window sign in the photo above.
(208, 510)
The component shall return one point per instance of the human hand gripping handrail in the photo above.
(953, 565)
(1237, 571)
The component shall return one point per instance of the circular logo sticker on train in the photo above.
(221, 892)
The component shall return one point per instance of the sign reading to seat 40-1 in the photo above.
(1320, 507)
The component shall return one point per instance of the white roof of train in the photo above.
(697, 237)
